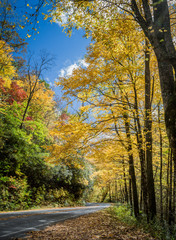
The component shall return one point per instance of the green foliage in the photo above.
(17, 145)
(58, 195)
(75, 179)
(124, 213)
(47, 86)
(156, 228)
(22, 160)
(14, 145)
(14, 193)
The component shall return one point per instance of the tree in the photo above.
(32, 78)
(154, 18)
(148, 136)
(7, 70)
(9, 26)
(112, 87)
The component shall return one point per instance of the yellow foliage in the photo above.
(70, 138)
(112, 88)
(7, 70)
(42, 102)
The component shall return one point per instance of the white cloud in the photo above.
(71, 68)
(62, 72)
(62, 17)
(63, 20)
(83, 63)
(66, 72)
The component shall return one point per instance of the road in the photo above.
(18, 224)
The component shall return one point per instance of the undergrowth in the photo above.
(158, 230)
(15, 194)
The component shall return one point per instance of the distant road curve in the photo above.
(18, 224)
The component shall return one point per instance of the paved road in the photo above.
(17, 224)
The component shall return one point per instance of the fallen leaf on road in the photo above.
(100, 225)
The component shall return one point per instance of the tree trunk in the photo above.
(141, 205)
(174, 189)
(167, 188)
(141, 152)
(125, 182)
(170, 193)
(105, 194)
(148, 137)
(157, 28)
(110, 196)
(25, 112)
(116, 198)
(130, 195)
(161, 165)
(131, 167)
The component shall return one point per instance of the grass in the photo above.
(157, 229)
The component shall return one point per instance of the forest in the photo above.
(120, 144)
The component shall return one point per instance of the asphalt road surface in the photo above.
(18, 224)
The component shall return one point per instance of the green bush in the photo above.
(124, 213)
(157, 229)
(14, 193)
(26, 180)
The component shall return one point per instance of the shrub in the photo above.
(157, 229)
(14, 193)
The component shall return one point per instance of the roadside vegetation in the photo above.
(105, 224)
(156, 228)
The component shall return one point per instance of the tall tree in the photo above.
(154, 18)
(112, 83)
(148, 135)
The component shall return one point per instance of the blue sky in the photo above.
(66, 50)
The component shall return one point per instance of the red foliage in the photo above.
(16, 93)
(64, 117)
(29, 118)
(12, 187)
(2, 88)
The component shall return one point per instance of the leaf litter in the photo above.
(100, 225)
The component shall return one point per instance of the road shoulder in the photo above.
(99, 225)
